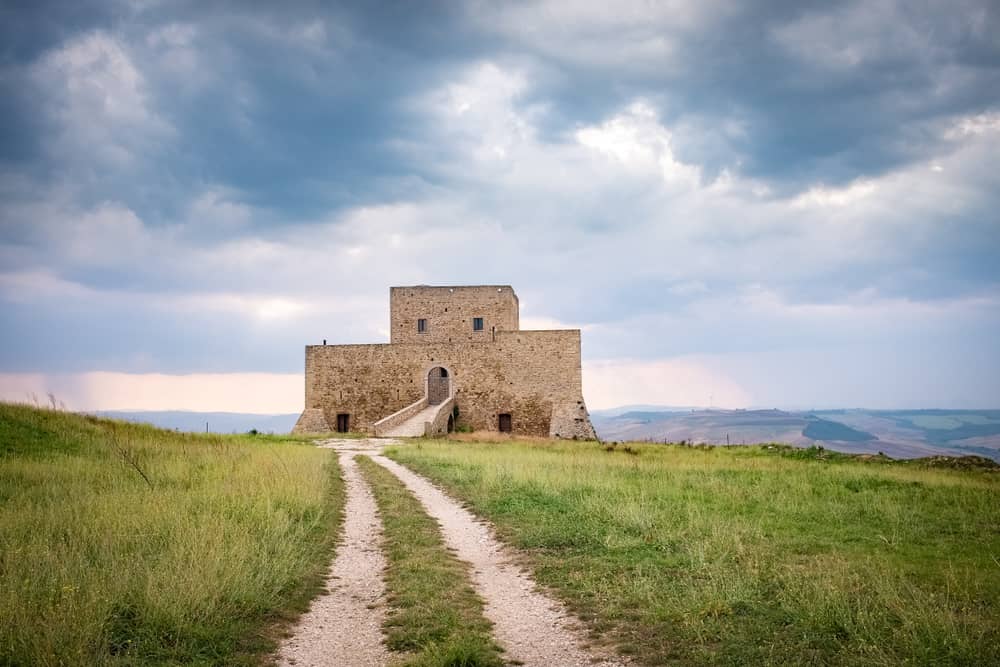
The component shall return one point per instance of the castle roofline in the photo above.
(452, 287)
(499, 288)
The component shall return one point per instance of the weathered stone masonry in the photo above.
(493, 369)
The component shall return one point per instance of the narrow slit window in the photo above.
(477, 324)
(421, 326)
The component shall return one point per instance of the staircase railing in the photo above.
(439, 424)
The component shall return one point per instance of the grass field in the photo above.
(435, 617)
(121, 544)
(746, 555)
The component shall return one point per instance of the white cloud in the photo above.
(217, 207)
(104, 236)
(637, 140)
(93, 91)
(822, 196)
(479, 112)
(970, 126)
(265, 308)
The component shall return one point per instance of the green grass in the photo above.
(747, 555)
(230, 535)
(435, 618)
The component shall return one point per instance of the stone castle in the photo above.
(456, 359)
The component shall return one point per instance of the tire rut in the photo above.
(534, 629)
(343, 627)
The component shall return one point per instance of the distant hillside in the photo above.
(900, 434)
(218, 422)
(897, 433)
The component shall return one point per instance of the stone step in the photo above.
(414, 426)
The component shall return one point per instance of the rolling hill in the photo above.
(897, 433)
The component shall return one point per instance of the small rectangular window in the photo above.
(477, 324)
(421, 326)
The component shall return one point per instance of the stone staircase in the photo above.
(417, 420)
(414, 426)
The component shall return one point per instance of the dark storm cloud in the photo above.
(821, 91)
(817, 92)
(292, 105)
(207, 186)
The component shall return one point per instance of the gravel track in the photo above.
(343, 627)
(534, 629)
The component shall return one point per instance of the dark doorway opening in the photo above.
(438, 386)
(343, 423)
(505, 423)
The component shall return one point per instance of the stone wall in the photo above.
(312, 421)
(449, 312)
(532, 375)
(369, 382)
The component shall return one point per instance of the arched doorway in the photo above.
(438, 385)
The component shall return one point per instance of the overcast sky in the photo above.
(741, 204)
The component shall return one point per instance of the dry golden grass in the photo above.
(496, 436)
